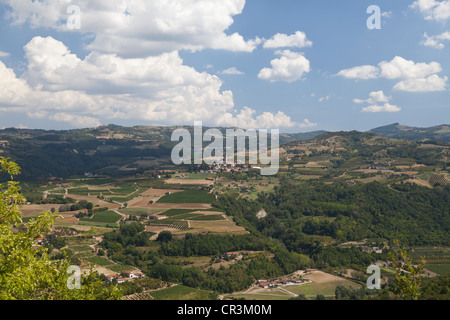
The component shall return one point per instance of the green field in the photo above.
(188, 196)
(180, 292)
(439, 268)
(199, 176)
(104, 217)
(176, 212)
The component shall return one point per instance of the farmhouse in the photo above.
(157, 217)
(121, 280)
(39, 241)
(110, 277)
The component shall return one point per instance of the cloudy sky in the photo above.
(293, 65)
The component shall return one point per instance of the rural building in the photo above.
(39, 241)
(157, 217)
(110, 277)
(121, 280)
(261, 214)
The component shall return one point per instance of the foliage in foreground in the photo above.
(26, 270)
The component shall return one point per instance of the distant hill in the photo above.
(288, 137)
(115, 149)
(398, 131)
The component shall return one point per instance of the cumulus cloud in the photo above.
(378, 102)
(416, 77)
(141, 28)
(432, 9)
(247, 118)
(428, 84)
(400, 68)
(384, 108)
(134, 70)
(280, 40)
(101, 87)
(289, 68)
(436, 41)
(4, 54)
(307, 124)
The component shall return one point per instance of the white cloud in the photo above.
(432, 9)
(4, 54)
(141, 28)
(247, 118)
(232, 71)
(76, 120)
(290, 67)
(322, 99)
(436, 41)
(62, 87)
(307, 124)
(387, 14)
(280, 40)
(416, 77)
(429, 84)
(378, 102)
(384, 108)
(134, 69)
(360, 72)
(400, 68)
(374, 97)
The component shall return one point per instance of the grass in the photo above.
(176, 212)
(139, 211)
(188, 196)
(180, 292)
(208, 218)
(105, 217)
(101, 261)
(273, 295)
(200, 176)
(439, 268)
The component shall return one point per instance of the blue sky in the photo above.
(293, 65)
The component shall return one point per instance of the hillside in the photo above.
(441, 132)
(113, 150)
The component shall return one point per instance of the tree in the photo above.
(408, 276)
(164, 236)
(26, 270)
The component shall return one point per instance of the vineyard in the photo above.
(437, 179)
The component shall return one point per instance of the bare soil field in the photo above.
(208, 213)
(158, 192)
(149, 195)
(215, 227)
(30, 210)
(68, 218)
(321, 277)
(92, 199)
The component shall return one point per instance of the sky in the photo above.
(296, 66)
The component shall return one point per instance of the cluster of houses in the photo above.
(128, 275)
(226, 167)
(4, 143)
(273, 284)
